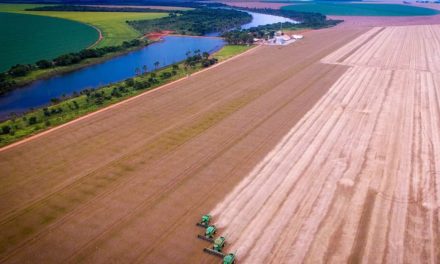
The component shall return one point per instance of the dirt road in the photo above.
(357, 179)
(127, 184)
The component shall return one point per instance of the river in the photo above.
(170, 50)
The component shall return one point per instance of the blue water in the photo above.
(258, 19)
(169, 51)
(263, 19)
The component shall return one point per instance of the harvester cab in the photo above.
(217, 248)
(219, 243)
(229, 259)
(204, 222)
(209, 234)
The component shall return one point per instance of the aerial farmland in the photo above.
(323, 150)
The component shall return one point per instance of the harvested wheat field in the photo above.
(357, 179)
(128, 184)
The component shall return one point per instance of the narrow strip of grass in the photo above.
(44, 118)
(230, 50)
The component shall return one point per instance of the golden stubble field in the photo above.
(357, 179)
(128, 184)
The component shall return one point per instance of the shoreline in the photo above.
(71, 68)
(81, 117)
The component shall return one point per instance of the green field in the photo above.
(230, 50)
(28, 38)
(356, 9)
(112, 24)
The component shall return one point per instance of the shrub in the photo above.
(19, 70)
(129, 82)
(44, 64)
(32, 120)
(5, 129)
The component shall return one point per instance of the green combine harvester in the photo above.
(229, 259)
(209, 234)
(204, 222)
(217, 248)
(218, 243)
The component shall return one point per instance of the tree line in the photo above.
(195, 22)
(97, 97)
(307, 20)
(7, 82)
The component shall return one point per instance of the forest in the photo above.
(196, 22)
(307, 20)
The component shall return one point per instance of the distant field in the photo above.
(230, 51)
(112, 24)
(171, 8)
(351, 9)
(28, 38)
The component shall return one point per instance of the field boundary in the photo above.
(43, 133)
(100, 37)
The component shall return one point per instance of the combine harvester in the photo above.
(204, 222)
(209, 234)
(217, 248)
(218, 243)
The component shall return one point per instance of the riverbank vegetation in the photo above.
(66, 109)
(22, 74)
(196, 22)
(306, 20)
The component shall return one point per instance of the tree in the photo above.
(44, 64)
(188, 53)
(129, 82)
(6, 129)
(145, 69)
(205, 55)
(175, 67)
(19, 70)
(32, 120)
(156, 65)
(137, 71)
